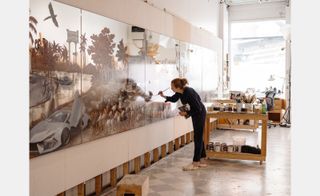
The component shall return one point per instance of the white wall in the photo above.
(265, 11)
(55, 172)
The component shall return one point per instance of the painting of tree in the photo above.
(32, 26)
(101, 52)
(122, 53)
(64, 54)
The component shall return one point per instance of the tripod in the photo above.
(287, 122)
(286, 115)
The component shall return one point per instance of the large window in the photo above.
(257, 52)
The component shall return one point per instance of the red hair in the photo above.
(179, 82)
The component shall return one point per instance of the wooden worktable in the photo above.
(236, 155)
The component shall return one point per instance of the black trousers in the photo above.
(198, 122)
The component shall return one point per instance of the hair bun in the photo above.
(184, 81)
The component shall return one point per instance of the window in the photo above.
(257, 52)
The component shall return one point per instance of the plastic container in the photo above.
(239, 106)
(238, 142)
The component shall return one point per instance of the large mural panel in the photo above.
(201, 70)
(92, 77)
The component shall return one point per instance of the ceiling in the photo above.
(200, 13)
(246, 2)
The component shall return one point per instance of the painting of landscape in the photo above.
(92, 77)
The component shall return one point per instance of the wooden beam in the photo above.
(113, 177)
(176, 144)
(125, 168)
(170, 147)
(163, 150)
(155, 155)
(61, 194)
(81, 191)
(146, 159)
(137, 164)
(98, 184)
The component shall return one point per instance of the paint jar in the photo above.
(210, 146)
(217, 148)
(230, 148)
(224, 147)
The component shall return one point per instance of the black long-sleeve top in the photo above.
(191, 97)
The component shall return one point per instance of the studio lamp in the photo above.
(273, 78)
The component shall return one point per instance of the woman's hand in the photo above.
(183, 113)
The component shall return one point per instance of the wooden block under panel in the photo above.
(98, 184)
(188, 138)
(192, 136)
(113, 177)
(155, 155)
(163, 150)
(61, 194)
(137, 185)
(170, 147)
(137, 164)
(176, 144)
(183, 140)
(146, 159)
(125, 168)
(81, 189)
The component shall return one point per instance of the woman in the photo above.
(197, 111)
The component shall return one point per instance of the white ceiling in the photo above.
(200, 13)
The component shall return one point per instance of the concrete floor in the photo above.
(225, 177)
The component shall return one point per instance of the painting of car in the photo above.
(55, 131)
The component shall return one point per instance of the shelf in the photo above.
(235, 155)
(228, 126)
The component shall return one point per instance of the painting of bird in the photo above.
(52, 16)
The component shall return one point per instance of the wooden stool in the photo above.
(134, 184)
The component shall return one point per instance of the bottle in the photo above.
(264, 107)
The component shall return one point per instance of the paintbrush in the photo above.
(163, 91)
